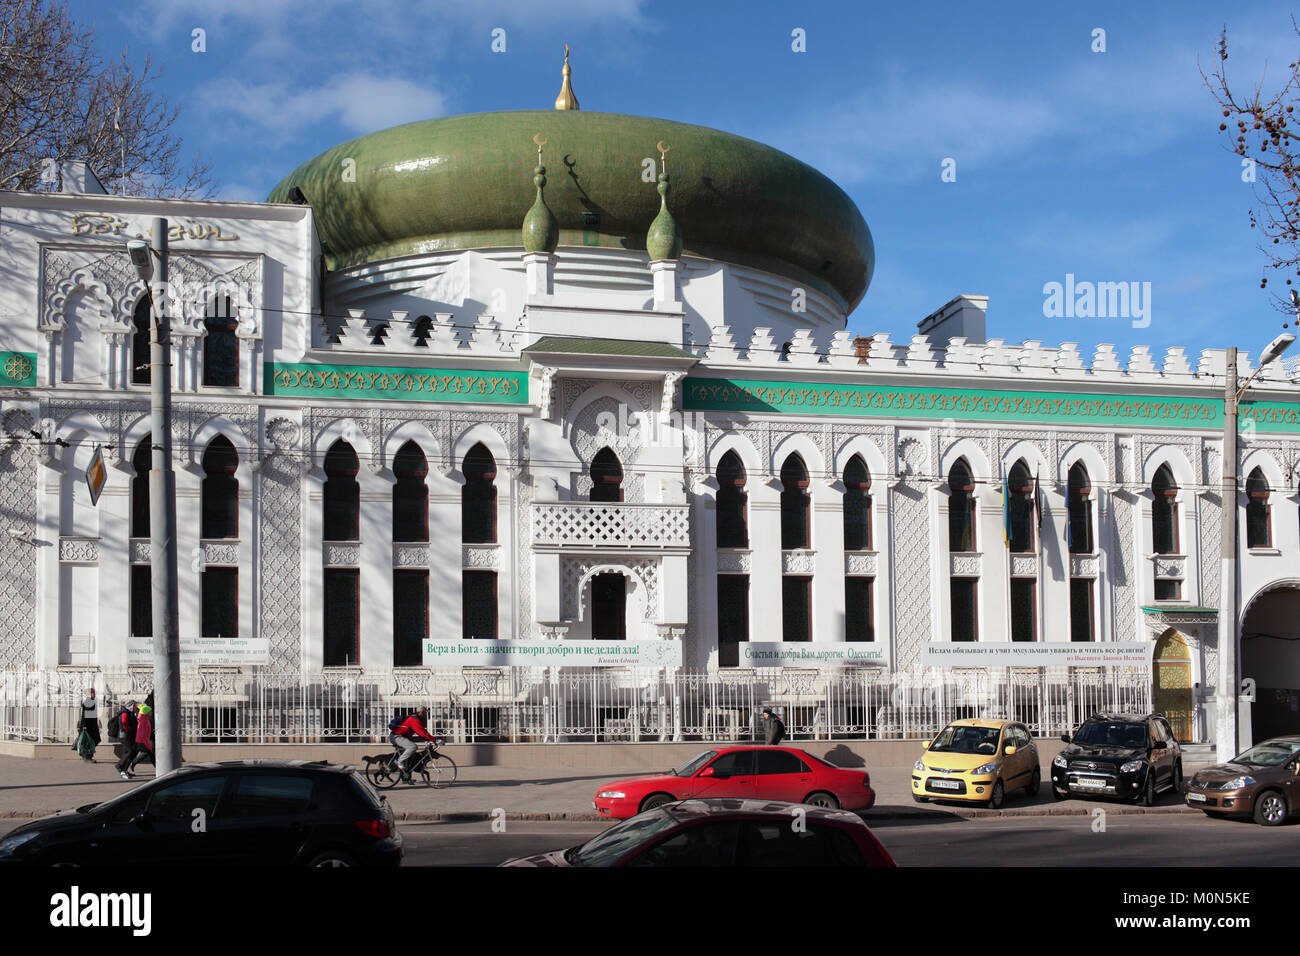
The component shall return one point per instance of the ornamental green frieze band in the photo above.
(411, 384)
(728, 395)
(18, 368)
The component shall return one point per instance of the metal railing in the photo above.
(467, 704)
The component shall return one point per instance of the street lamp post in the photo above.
(151, 264)
(1227, 742)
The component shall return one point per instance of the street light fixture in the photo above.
(1227, 732)
(150, 261)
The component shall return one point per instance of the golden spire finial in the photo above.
(566, 100)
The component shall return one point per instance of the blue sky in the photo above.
(1108, 166)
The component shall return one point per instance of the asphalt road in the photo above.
(949, 841)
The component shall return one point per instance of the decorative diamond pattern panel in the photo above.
(18, 558)
(611, 525)
(911, 575)
(1121, 568)
(1211, 525)
(281, 560)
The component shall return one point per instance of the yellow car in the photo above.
(977, 761)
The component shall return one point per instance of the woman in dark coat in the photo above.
(89, 726)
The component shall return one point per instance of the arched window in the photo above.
(1259, 532)
(141, 461)
(606, 477)
(478, 497)
(220, 491)
(1078, 529)
(733, 530)
(961, 507)
(1164, 512)
(220, 347)
(794, 504)
(410, 494)
(857, 505)
(140, 343)
(342, 494)
(1020, 508)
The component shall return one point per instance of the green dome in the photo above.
(464, 182)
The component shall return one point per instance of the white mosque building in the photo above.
(428, 393)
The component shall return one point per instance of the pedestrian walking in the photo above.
(88, 728)
(143, 738)
(126, 722)
(773, 728)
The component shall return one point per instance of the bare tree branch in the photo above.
(1260, 129)
(59, 101)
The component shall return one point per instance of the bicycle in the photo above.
(428, 766)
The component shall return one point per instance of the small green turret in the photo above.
(664, 240)
(541, 228)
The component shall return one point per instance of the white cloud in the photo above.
(360, 102)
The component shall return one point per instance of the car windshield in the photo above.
(966, 740)
(689, 769)
(1273, 753)
(619, 840)
(1110, 733)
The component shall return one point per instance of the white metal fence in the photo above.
(466, 704)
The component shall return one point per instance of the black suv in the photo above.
(1119, 755)
(232, 813)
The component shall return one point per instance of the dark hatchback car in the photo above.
(727, 832)
(1119, 755)
(233, 813)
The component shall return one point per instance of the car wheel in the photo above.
(332, 858)
(1178, 776)
(1148, 796)
(822, 799)
(1270, 809)
(995, 798)
(1034, 783)
(655, 800)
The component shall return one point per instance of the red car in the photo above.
(764, 773)
(726, 833)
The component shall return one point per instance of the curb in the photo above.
(479, 816)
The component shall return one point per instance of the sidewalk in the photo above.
(34, 788)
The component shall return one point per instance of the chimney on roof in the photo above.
(963, 316)
(78, 177)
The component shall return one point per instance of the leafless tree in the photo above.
(59, 101)
(1261, 130)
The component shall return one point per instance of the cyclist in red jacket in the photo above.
(403, 738)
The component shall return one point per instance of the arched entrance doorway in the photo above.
(1270, 653)
(609, 607)
(1171, 690)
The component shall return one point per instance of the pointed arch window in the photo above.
(421, 331)
(961, 507)
(794, 503)
(1020, 509)
(606, 477)
(1078, 528)
(733, 529)
(342, 494)
(140, 353)
(410, 494)
(141, 461)
(220, 346)
(857, 505)
(478, 497)
(1259, 531)
(1164, 512)
(220, 491)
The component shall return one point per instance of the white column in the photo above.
(445, 605)
(114, 568)
(765, 592)
(189, 566)
(313, 569)
(376, 564)
(992, 612)
(1054, 568)
(827, 605)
